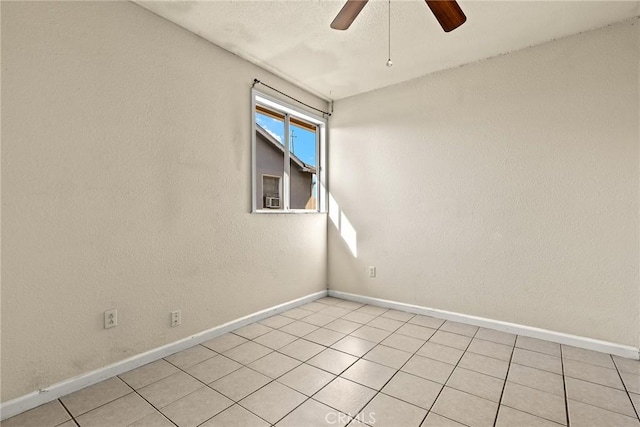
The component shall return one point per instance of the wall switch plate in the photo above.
(372, 271)
(111, 318)
(176, 318)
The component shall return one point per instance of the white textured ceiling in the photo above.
(293, 38)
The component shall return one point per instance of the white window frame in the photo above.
(259, 98)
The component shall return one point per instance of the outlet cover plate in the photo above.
(111, 318)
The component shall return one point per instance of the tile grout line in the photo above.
(358, 358)
(305, 362)
(302, 362)
(157, 409)
(539, 368)
(521, 385)
(574, 378)
(237, 402)
(99, 406)
(536, 351)
(564, 387)
(154, 382)
(538, 390)
(504, 385)
(625, 388)
(413, 354)
(207, 384)
(69, 412)
(587, 381)
(345, 369)
(452, 371)
(562, 357)
(398, 370)
(377, 392)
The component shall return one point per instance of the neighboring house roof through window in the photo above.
(267, 136)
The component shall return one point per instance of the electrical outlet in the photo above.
(111, 318)
(176, 318)
(372, 271)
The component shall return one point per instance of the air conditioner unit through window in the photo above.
(272, 202)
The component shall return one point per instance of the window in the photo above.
(271, 191)
(288, 157)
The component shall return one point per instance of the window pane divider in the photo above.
(287, 164)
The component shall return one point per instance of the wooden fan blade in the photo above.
(348, 14)
(448, 13)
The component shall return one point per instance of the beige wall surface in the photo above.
(126, 184)
(506, 189)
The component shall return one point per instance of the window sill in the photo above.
(283, 212)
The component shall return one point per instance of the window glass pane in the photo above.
(269, 161)
(304, 164)
(273, 125)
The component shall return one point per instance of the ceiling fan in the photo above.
(447, 12)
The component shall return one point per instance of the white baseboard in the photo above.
(513, 328)
(21, 404)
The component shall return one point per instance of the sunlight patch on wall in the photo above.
(348, 234)
(334, 211)
(343, 225)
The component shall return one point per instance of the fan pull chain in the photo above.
(389, 61)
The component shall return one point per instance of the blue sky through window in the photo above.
(303, 141)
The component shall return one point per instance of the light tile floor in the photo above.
(335, 362)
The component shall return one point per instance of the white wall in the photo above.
(126, 184)
(506, 189)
